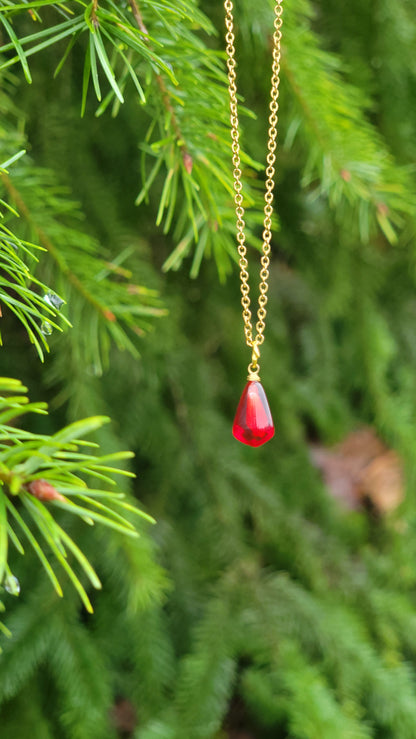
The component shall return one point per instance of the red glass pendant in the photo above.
(253, 423)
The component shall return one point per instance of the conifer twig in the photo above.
(187, 159)
(138, 16)
(94, 19)
(54, 252)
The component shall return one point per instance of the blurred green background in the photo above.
(275, 596)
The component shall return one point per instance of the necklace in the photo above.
(253, 423)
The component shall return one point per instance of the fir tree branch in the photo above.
(138, 16)
(36, 312)
(348, 161)
(166, 99)
(56, 255)
(94, 19)
(45, 472)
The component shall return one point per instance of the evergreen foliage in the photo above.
(256, 602)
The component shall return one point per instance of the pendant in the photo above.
(253, 423)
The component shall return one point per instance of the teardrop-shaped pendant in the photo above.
(253, 423)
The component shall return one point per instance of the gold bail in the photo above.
(254, 367)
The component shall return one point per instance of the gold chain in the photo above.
(254, 342)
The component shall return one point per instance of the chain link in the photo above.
(257, 340)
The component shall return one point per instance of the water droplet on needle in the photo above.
(46, 328)
(11, 585)
(53, 300)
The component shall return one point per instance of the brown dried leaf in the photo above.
(362, 469)
(124, 716)
(381, 482)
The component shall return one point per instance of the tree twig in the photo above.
(138, 16)
(45, 241)
(187, 159)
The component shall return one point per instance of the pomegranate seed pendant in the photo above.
(253, 423)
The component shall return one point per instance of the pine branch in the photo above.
(193, 141)
(113, 306)
(37, 313)
(39, 473)
(86, 701)
(187, 159)
(56, 255)
(347, 156)
(138, 16)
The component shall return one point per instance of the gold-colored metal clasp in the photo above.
(255, 354)
(254, 367)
